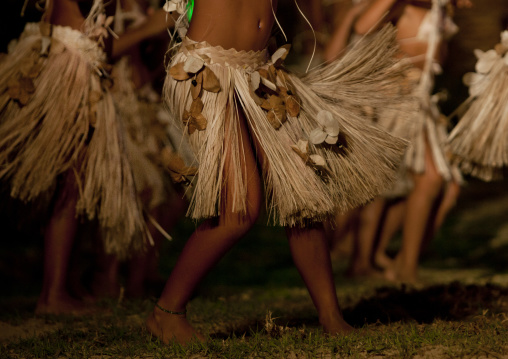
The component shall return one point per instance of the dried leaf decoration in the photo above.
(194, 119)
(202, 76)
(197, 86)
(276, 111)
(178, 72)
(210, 81)
(176, 166)
(271, 88)
(20, 89)
(316, 162)
(291, 101)
(280, 54)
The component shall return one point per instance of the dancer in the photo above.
(61, 141)
(237, 107)
(141, 111)
(429, 189)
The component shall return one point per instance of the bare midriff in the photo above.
(67, 13)
(239, 24)
(408, 26)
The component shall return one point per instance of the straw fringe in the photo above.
(368, 77)
(139, 118)
(68, 123)
(479, 141)
(296, 193)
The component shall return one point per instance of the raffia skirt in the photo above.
(421, 123)
(479, 142)
(145, 139)
(305, 180)
(56, 116)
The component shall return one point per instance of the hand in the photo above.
(156, 22)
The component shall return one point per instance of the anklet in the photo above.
(183, 312)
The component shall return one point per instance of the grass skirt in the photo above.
(421, 123)
(479, 142)
(144, 141)
(305, 180)
(56, 115)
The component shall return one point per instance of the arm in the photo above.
(154, 25)
(372, 16)
(340, 36)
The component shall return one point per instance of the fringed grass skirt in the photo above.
(320, 156)
(56, 115)
(421, 123)
(144, 140)
(479, 142)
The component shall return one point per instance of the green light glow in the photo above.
(190, 9)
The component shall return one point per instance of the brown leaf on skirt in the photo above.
(210, 81)
(194, 119)
(272, 102)
(292, 106)
(196, 107)
(291, 101)
(176, 166)
(178, 73)
(20, 89)
(277, 116)
(196, 86)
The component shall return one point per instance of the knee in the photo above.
(239, 223)
(431, 183)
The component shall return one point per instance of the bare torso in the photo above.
(238, 24)
(67, 13)
(408, 26)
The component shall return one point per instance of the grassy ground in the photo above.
(254, 304)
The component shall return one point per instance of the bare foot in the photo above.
(363, 273)
(383, 261)
(336, 326)
(172, 328)
(62, 305)
(399, 274)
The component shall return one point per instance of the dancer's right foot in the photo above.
(172, 328)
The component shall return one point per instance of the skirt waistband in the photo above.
(72, 39)
(248, 60)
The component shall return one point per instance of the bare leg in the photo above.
(58, 240)
(203, 250)
(420, 202)
(392, 221)
(106, 279)
(341, 237)
(366, 233)
(447, 202)
(310, 252)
